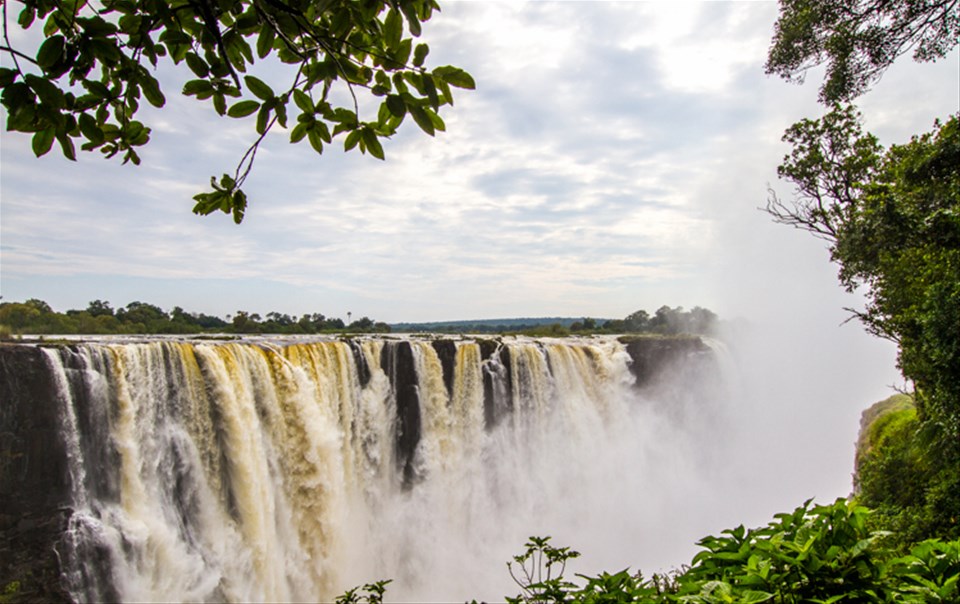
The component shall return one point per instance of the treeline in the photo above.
(37, 317)
(666, 321)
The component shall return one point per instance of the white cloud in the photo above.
(605, 163)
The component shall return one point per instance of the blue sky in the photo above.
(612, 158)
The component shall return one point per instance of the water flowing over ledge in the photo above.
(291, 469)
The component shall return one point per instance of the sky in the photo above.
(612, 158)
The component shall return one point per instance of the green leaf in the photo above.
(196, 87)
(324, 132)
(243, 108)
(43, 141)
(263, 118)
(372, 142)
(258, 87)
(90, 129)
(47, 91)
(420, 54)
(239, 206)
(431, 89)
(27, 15)
(455, 77)
(197, 65)
(423, 120)
(393, 28)
(151, 90)
(299, 131)
(220, 104)
(402, 54)
(66, 145)
(351, 141)
(413, 20)
(265, 40)
(302, 99)
(7, 76)
(435, 120)
(50, 51)
(316, 141)
(396, 105)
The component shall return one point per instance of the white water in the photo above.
(269, 472)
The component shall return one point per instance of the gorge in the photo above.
(292, 469)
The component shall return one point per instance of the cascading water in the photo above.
(290, 471)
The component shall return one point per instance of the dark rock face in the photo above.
(447, 352)
(363, 370)
(652, 355)
(399, 365)
(34, 482)
(497, 382)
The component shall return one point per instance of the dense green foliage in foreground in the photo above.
(892, 218)
(816, 554)
(913, 493)
(892, 221)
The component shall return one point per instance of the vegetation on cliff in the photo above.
(891, 218)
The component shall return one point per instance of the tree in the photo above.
(892, 218)
(858, 39)
(98, 308)
(637, 321)
(85, 82)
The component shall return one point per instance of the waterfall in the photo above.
(292, 470)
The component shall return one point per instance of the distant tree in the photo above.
(637, 321)
(98, 308)
(615, 326)
(858, 39)
(665, 320)
(85, 81)
(282, 320)
(245, 322)
(19, 315)
(40, 305)
(141, 312)
(361, 324)
(700, 320)
(208, 321)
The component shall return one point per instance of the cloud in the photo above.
(611, 158)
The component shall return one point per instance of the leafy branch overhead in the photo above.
(857, 40)
(85, 82)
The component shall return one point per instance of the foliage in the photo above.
(539, 571)
(85, 81)
(666, 320)
(36, 317)
(912, 493)
(819, 554)
(371, 593)
(892, 218)
(858, 39)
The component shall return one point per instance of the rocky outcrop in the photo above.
(652, 355)
(34, 484)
